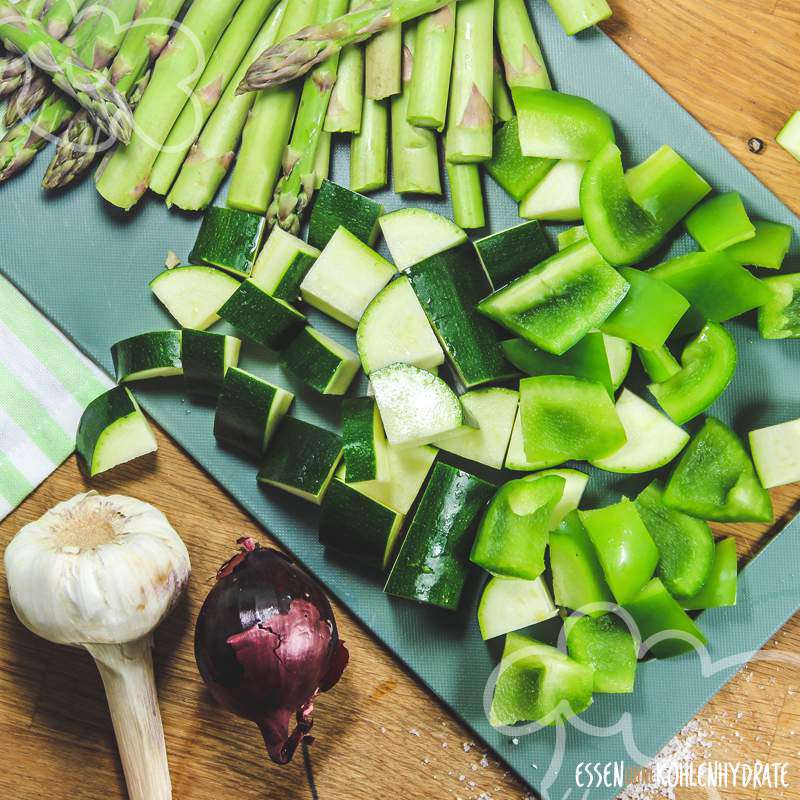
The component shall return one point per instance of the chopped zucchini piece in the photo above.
(301, 459)
(194, 295)
(767, 248)
(248, 411)
(394, 328)
(507, 254)
(358, 526)
(282, 264)
(557, 197)
(779, 316)
(337, 206)
(414, 234)
(366, 451)
(320, 362)
(229, 239)
(515, 456)
(416, 407)
(344, 279)
(789, 135)
(112, 430)
(508, 604)
(259, 316)
(606, 646)
(206, 358)
(619, 354)
(776, 453)
(156, 354)
(720, 222)
(570, 236)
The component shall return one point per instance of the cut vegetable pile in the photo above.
(434, 475)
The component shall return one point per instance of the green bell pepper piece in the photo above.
(565, 418)
(512, 536)
(658, 363)
(606, 645)
(557, 125)
(657, 613)
(624, 547)
(779, 317)
(666, 186)
(577, 15)
(538, 683)
(619, 228)
(649, 311)
(789, 135)
(578, 580)
(767, 248)
(586, 359)
(570, 236)
(560, 300)
(715, 479)
(685, 544)
(718, 288)
(720, 586)
(513, 171)
(719, 222)
(707, 366)
(620, 354)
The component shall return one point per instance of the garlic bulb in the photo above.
(101, 573)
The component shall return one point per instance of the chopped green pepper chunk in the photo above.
(720, 222)
(715, 479)
(619, 228)
(658, 616)
(779, 317)
(578, 580)
(512, 535)
(557, 125)
(767, 248)
(707, 366)
(586, 359)
(789, 135)
(565, 418)
(606, 645)
(685, 544)
(720, 586)
(624, 547)
(658, 363)
(649, 311)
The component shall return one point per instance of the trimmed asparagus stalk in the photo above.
(577, 15)
(212, 154)
(91, 89)
(126, 175)
(298, 181)
(295, 55)
(382, 56)
(267, 130)
(369, 149)
(501, 99)
(227, 55)
(469, 114)
(347, 98)
(322, 160)
(522, 57)
(144, 40)
(430, 83)
(60, 16)
(415, 155)
(466, 195)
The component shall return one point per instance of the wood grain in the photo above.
(380, 734)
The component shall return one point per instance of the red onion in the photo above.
(266, 645)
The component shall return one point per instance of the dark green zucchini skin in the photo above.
(289, 287)
(261, 317)
(112, 405)
(433, 562)
(228, 238)
(203, 356)
(449, 286)
(146, 351)
(357, 427)
(508, 254)
(334, 206)
(310, 361)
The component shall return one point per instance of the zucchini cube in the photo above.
(337, 206)
(206, 358)
(156, 354)
(282, 264)
(320, 362)
(229, 239)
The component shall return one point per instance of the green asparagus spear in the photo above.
(14, 66)
(502, 106)
(382, 57)
(322, 160)
(298, 181)
(60, 16)
(267, 130)
(91, 89)
(415, 156)
(347, 98)
(230, 50)
(295, 55)
(522, 56)
(466, 195)
(124, 178)
(469, 114)
(369, 148)
(212, 154)
(430, 83)
(26, 99)
(144, 40)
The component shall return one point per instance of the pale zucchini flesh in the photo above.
(508, 604)
(776, 453)
(414, 234)
(193, 295)
(282, 264)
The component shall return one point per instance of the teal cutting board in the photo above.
(87, 267)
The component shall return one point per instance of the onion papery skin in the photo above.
(266, 644)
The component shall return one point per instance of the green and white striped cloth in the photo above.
(45, 383)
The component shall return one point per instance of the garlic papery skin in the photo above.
(101, 573)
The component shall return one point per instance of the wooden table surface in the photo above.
(734, 66)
